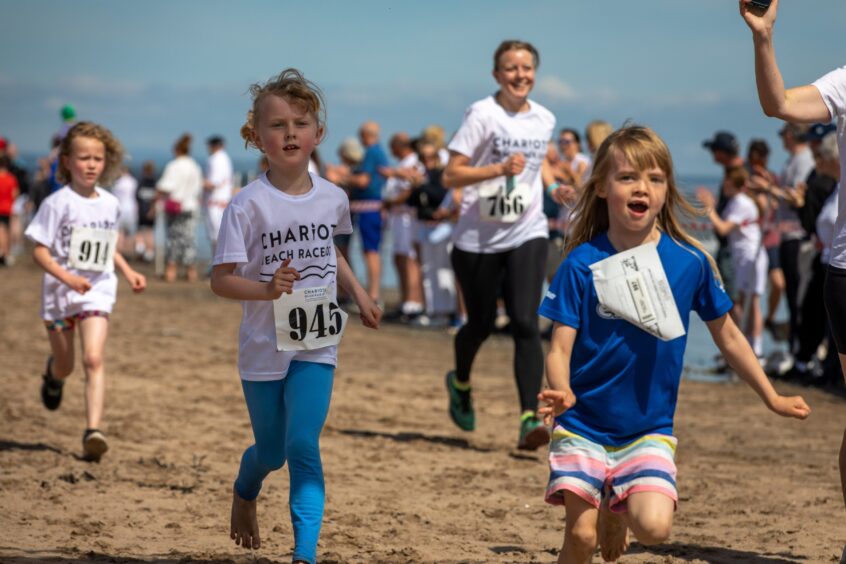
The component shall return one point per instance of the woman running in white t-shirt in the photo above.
(276, 237)
(501, 236)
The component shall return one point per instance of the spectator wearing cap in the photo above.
(796, 250)
(217, 186)
(726, 152)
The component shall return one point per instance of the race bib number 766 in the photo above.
(497, 203)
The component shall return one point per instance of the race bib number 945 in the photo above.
(497, 203)
(92, 249)
(308, 319)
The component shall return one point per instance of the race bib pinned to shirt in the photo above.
(92, 249)
(308, 319)
(503, 199)
(632, 285)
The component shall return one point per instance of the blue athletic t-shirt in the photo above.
(625, 380)
(374, 159)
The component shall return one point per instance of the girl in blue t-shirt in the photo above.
(613, 386)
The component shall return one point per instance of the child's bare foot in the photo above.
(243, 528)
(613, 535)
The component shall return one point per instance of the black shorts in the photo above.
(4, 219)
(834, 295)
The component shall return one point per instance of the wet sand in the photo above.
(403, 484)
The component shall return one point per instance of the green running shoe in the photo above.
(533, 433)
(460, 403)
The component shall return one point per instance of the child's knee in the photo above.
(271, 459)
(61, 367)
(581, 538)
(302, 449)
(524, 326)
(92, 361)
(652, 528)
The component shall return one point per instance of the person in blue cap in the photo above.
(726, 152)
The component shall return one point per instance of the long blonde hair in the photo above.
(643, 149)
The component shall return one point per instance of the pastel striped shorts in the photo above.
(69, 323)
(594, 471)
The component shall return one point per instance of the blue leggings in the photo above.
(287, 417)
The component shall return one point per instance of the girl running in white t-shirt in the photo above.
(276, 238)
(500, 241)
(75, 233)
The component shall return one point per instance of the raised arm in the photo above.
(802, 104)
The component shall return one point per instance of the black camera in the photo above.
(760, 5)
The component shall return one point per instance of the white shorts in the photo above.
(403, 227)
(128, 222)
(19, 204)
(214, 215)
(751, 273)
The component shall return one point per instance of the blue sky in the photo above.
(151, 70)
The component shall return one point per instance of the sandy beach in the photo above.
(403, 484)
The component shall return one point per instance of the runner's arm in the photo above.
(226, 284)
(135, 278)
(459, 173)
(739, 355)
(370, 312)
(43, 258)
(802, 104)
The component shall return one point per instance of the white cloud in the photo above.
(556, 89)
(89, 85)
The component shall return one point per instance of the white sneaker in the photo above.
(94, 444)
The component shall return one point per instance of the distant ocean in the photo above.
(700, 353)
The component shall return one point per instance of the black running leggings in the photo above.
(834, 295)
(519, 273)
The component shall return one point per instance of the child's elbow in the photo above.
(215, 284)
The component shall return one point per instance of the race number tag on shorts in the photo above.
(308, 319)
(92, 249)
(498, 203)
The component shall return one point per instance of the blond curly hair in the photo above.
(114, 151)
(291, 85)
